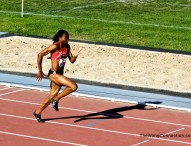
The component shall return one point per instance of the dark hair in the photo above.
(59, 34)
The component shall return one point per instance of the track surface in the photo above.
(85, 121)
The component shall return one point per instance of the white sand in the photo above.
(104, 64)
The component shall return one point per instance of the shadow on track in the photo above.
(110, 113)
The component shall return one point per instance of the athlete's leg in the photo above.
(54, 89)
(70, 86)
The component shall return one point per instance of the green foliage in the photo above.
(148, 23)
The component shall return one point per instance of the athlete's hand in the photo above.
(39, 76)
(76, 51)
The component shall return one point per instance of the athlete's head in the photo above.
(62, 36)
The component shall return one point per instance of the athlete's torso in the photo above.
(61, 53)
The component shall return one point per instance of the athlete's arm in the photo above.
(40, 59)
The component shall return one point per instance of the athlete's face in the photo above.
(64, 38)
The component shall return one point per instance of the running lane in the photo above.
(85, 121)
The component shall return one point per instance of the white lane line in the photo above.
(98, 129)
(12, 100)
(98, 4)
(140, 143)
(71, 125)
(6, 88)
(102, 20)
(173, 131)
(98, 97)
(40, 138)
(12, 92)
(169, 140)
(162, 122)
(90, 5)
(126, 117)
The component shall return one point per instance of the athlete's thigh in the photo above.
(61, 80)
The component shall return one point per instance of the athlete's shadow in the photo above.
(111, 113)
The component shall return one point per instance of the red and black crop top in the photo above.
(60, 53)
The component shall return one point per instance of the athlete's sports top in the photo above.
(60, 54)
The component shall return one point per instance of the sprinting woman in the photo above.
(60, 51)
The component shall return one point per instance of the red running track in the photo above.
(85, 121)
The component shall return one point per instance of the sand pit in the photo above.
(104, 64)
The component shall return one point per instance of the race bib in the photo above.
(62, 62)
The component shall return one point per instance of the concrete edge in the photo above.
(116, 86)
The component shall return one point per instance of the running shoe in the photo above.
(38, 117)
(54, 104)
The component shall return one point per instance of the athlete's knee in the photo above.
(74, 87)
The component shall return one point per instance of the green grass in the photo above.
(147, 23)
